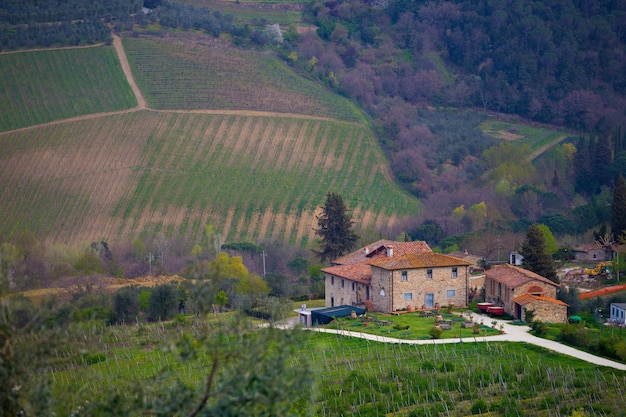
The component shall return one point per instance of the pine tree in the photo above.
(536, 258)
(334, 226)
(618, 209)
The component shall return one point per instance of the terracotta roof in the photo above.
(418, 260)
(514, 276)
(529, 298)
(379, 248)
(356, 272)
(589, 247)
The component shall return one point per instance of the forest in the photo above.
(418, 67)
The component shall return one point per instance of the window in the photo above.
(353, 287)
(408, 296)
(343, 283)
(455, 272)
(451, 293)
(405, 276)
(332, 280)
(429, 273)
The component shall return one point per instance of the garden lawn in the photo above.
(390, 325)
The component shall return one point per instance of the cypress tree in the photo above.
(536, 258)
(618, 209)
(334, 226)
(603, 157)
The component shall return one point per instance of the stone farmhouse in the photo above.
(518, 290)
(388, 276)
(593, 252)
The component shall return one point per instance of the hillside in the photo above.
(254, 175)
(46, 85)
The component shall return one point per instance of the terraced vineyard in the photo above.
(132, 174)
(41, 86)
(182, 73)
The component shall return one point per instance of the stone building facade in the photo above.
(419, 281)
(393, 276)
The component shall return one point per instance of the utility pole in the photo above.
(263, 254)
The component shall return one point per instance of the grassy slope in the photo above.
(187, 72)
(41, 86)
(141, 173)
(536, 137)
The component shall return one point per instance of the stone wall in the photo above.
(546, 312)
(339, 289)
(412, 293)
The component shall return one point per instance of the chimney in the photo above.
(390, 251)
(366, 250)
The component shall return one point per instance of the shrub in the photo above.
(163, 302)
(126, 303)
(540, 328)
(479, 407)
(575, 335)
(401, 327)
(435, 332)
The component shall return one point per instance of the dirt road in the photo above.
(121, 54)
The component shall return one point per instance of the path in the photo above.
(119, 48)
(512, 333)
(545, 148)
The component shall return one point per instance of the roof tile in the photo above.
(356, 272)
(514, 276)
(418, 260)
(529, 298)
(379, 249)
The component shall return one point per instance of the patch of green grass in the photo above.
(42, 86)
(408, 326)
(534, 136)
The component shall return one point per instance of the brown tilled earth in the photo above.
(70, 286)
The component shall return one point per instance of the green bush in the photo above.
(479, 407)
(575, 335)
(435, 332)
(540, 328)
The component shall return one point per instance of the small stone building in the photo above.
(547, 310)
(508, 285)
(593, 253)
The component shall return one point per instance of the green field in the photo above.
(349, 377)
(42, 86)
(536, 137)
(199, 73)
(145, 173)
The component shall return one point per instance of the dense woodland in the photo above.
(561, 63)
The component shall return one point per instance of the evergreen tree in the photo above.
(334, 226)
(618, 209)
(603, 157)
(536, 258)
